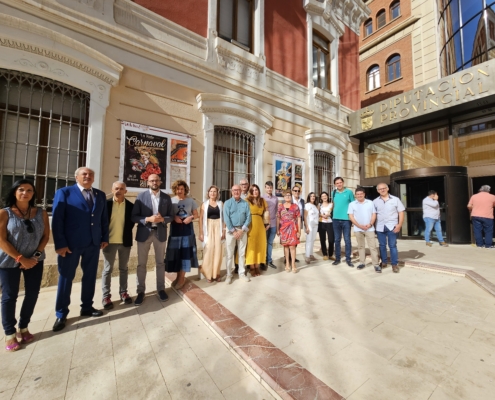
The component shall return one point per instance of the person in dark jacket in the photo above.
(120, 241)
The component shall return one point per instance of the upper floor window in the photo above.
(380, 19)
(394, 10)
(393, 68)
(235, 22)
(373, 78)
(321, 62)
(368, 27)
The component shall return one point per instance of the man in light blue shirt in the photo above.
(237, 217)
(389, 219)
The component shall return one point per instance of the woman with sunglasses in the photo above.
(289, 229)
(24, 233)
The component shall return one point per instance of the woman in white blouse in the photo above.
(311, 218)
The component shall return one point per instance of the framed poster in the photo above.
(146, 150)
(288, 172)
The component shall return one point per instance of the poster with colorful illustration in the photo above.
(146, 150)
(287, 172)
(178, 152)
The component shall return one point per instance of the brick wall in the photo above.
(349, 74)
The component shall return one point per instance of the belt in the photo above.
(154, 228)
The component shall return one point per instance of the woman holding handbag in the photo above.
(212, 234)
(311, 218)
(24, 233)
(256, 238)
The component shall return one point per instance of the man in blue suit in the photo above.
(152, 212)
(80, 230)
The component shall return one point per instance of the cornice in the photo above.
(331, 137)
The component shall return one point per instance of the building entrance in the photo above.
(451, 184)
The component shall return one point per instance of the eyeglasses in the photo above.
(296, 191)
(29, 225)
(380, 189)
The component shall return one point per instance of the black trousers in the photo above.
(326, 229)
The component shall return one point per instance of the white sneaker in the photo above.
(245, 278)
(228, 280)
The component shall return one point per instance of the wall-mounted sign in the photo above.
(146, 150)
(468, 85)
(287, 172)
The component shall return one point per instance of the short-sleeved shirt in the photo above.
(387, 212)
(313, 214)
(341, 201)
(482, 204)
(272, 202)
(431, 208)
(362, 213)
(183, 208)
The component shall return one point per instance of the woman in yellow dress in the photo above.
(256, 239)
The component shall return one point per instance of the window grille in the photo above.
(324, 169)
(233, 158)
(43, 133)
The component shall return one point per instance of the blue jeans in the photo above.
(10, 279)
(270, 237)
(342, 226)
(480, 226)
(391, 237)
(430, 222)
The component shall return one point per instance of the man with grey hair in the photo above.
(481, 207)
(120, 241)
(80, 230)
(244, 183)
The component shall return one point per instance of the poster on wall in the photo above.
(146, 150)
(288, 172)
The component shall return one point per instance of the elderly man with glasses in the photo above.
(244, 184)
(389, 219)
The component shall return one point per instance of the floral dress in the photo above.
(288, 224)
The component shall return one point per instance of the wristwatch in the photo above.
(37, 254)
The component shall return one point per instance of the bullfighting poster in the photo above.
(146, 150)
(288, 172)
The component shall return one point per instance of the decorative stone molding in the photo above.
(333, 14)
(214, 105)
(42, 66)
(235, 59)
(325, 101)
(152, 25)
(329, 140)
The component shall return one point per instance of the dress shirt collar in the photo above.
(83, 189)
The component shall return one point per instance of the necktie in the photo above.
(89, 198)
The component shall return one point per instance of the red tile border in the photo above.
(284, 375)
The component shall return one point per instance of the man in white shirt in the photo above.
(362, 214)
(431, 216)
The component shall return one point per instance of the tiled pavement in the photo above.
(412, 335)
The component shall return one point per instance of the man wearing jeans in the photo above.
(120, 234)
(272, 202)
(341, 198)
(237, 217)
(431, 216)
(389, 219)
(481, 207)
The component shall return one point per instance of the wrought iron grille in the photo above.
(43, 133)
(324, 168)
(233, 158)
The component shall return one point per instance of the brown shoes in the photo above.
(395, 268)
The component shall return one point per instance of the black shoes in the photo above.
(263, 267)
(236, 269)
(272, 265)
(162, 295)
(297, 260)
(336, 262)
(92, 312)
(349, 264)
(139, 299)
(361, 266)
(378, 269)
(59, 324)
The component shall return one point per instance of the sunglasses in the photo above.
(296, 191)
(29, 225)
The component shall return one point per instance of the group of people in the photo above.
(245, 226)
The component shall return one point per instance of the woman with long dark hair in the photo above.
(24, 233)
(325, 226)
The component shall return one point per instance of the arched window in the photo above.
(381, 19)
(368, 27)
(394, 10)
(373, 78)
(393, 68)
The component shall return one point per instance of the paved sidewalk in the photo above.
(413, 335)
(155, 351)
